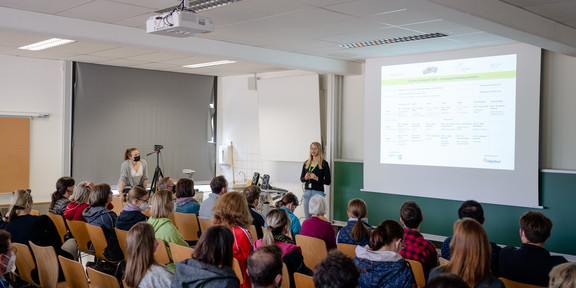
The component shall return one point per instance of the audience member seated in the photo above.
(211, 262)
(415, 246)
(166, 184)
(563, 276)
(470, 256)
(336, 271)
(530, 263)
(64, 188)
(380, 262)
(98, 215)
(161, 206)
(79, 201)
(317, 226)
(7, 258)
(142, 270)
(447, 280)
(131, 214)
(185, 202)
(474, 210)
(218, 185)
(289, 202)
(277, 226)
(357, 230)
(252, 194)
(231, 211)
(265, 267)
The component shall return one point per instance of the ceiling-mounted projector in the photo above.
(179, 23)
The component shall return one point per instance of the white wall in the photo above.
(37, 85)
(353, 118)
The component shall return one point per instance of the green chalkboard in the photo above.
(557, 195)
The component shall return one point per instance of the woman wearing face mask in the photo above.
(7, 258)
(380, 262)
(133, 172)
(137, 200)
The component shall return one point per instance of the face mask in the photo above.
(137, 158)
(143, 207)
(11, 266)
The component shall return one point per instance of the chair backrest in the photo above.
(252, 230)
(171, 217)
(59, 223)
(513, 284)
(443, 261)
(303, 281)
(74, 273)
(285, 277)
(418, 271)
(161, 253)
(122, 235)
(188, 226)
(49, 268)
(237, 270)
(204, 224)
(313, 250)
(179, 252)
(347, 249)
(118, 204)
(100, 279)
(34, 212)
(98, 239)
(79, 232)
(24, 262)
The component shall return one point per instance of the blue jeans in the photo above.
(306, 198)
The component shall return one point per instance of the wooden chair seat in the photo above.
(285, 277)
(188, 225)
(99, 241)
(303, 281)
(253, 233)
(204, 224)
(513, 284)
(313, 250)
(74, 273)
(418, 271)
(24, 262)
(121, 235)
(347, 249)
(59, 223)
(180, 253)
(100, 279)
(238, 270)
(49, 268)
(161, 253)
(79, 232)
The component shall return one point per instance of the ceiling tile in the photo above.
(122, 52)
(49, 7)
(104, 11)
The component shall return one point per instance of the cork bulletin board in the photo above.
(14, 153)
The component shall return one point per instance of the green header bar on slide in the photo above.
(451, 78)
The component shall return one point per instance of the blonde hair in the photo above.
(563, 276)
(231, 210)
(134, 194)
(140, 253)
(276, 221)
(320, 155)
(160, 204)
(81, 193)
(470, 252)
(20, 200)
(357, 209)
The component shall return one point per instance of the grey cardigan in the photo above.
(125, 174)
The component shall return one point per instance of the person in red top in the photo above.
(415, 246)
(80, 201)
(231, 210)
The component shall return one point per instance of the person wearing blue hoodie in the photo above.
(97, 214)
(131, 214)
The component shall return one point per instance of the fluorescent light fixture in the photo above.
(202, 5)
(201, 65)
(50, 43)
(392, 40)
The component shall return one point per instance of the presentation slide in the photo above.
(454, 113)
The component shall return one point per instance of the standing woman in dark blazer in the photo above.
(315, 174)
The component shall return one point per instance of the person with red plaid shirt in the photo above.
(415, 246)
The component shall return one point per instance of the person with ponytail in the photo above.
(357, 230)
(64, 189)
(137, 200)
(288, 203)
(380, 262)
(133, 171)
(277, 226)
(79, 201)
(142, 270)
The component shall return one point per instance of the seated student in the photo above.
(161, 206)
(357, 230)
(415, 246)
(79, 201)
(289, 202)
(97, 214)
(563, 276)
(185, 202)
(166, 184)
(381, 263)
(474, 210)
(277, 226)
(265, 267)
(64, 189)
(336, 271)
(7, 258)
(530, 263)
(317, 226)
(447, 280)
(470, 256)
(141, 269)
(131, 214)
(252, 194)
(218, 185)
(211, 262)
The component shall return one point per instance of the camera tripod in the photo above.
(157, 172)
